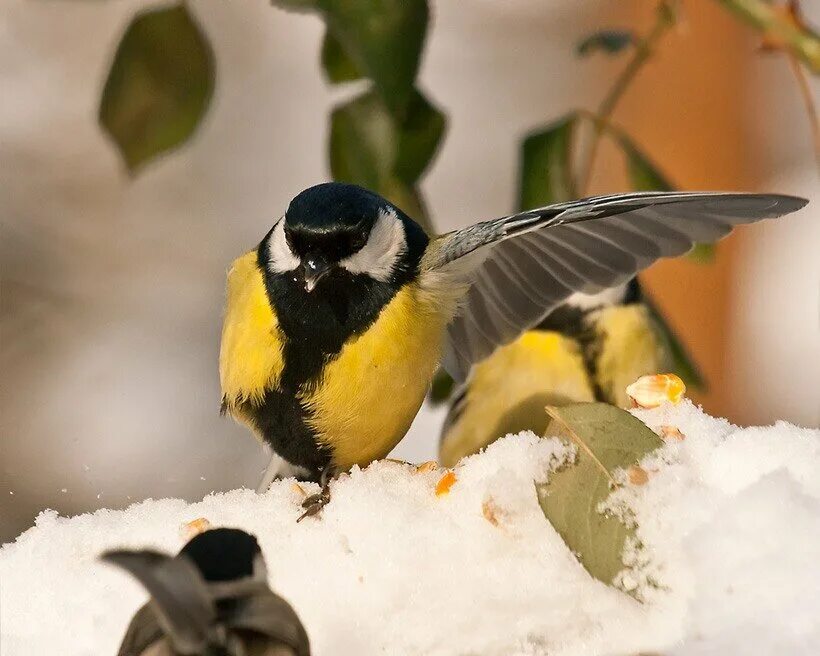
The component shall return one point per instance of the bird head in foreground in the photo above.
(337, 321)
(330, 235)
(212, 599)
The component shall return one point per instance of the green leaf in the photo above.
(370, 147)
(607, 439)
(643, 174)
(545, 174)
(703, 253)
(296, 5)
(159, 86)
(337, 65)
(608, 41)
(378, 39)
(668, 11)
(682, 362)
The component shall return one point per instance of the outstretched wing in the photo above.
(519, 268)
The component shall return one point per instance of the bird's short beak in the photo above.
(315, 269)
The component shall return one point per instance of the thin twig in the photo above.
(808, 100)
(643, 51)
(770, 19)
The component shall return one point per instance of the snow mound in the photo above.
(729, 522)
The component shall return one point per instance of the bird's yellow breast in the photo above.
(251, 355)
(371, 391)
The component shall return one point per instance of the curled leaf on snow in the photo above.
(652, 391)
(607, 439)
(190, 530)
(445, 483)
(423, 468)
(672, 432)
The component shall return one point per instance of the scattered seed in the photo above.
(193, 528)
(423, 468)
(672, 432)
(652, 391)
(445, 483)
(299, 489)
(490, 511)
(637, 475)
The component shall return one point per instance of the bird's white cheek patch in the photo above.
(280, 257)
(385, 245)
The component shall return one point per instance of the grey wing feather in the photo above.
(180, 599)
(267, 614)
(527, 264)
(143, 631)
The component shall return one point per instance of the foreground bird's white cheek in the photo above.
(280, 258)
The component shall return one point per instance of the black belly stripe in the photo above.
(315, 326)
(282, 421)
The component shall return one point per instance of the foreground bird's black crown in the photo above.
(334, 206)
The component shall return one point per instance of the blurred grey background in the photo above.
(112, 287)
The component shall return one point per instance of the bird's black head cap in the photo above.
(223, 554)
(332, 206)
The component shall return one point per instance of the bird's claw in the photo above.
(314, 503)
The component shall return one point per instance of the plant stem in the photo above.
(808, 100)
(769, 18)
(643, 51)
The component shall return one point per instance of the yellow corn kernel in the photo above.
(651, 391)
(190, 530)
(445, 483)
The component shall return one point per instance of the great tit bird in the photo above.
(212, 599)
(337, 321)
(589, 348)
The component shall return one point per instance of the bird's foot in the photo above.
(315, 502)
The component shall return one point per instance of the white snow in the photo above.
(729, 522)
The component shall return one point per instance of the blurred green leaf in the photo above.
(337, 65)
(643, 174)
(545, 174)
(669, 10)
(607, 439)
(608, 41)
(296, 5)
(379, 39)
(702, 253)
(441, 388)
(159, 86)
(371, 148)
(683, 363)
